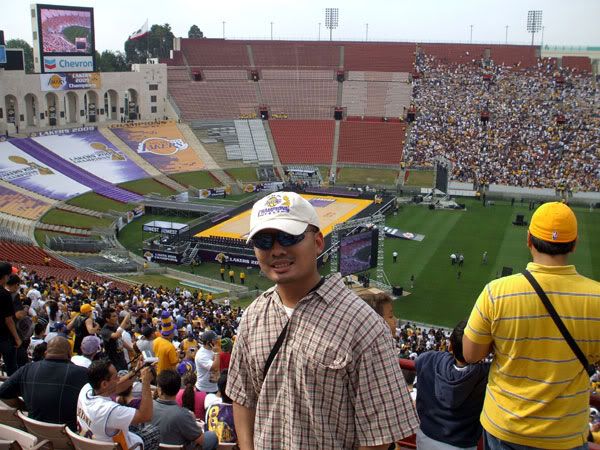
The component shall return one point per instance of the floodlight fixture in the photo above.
(534, 22)
(331, 20)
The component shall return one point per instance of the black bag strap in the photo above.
(589, 368)
(275, 349)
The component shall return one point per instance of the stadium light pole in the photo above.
(471, 38)
(366, 31)
(319, 31)
(223, 29)
(534, 22)
(543, 28)
(331, 20)
(506, 35)
(271, 30)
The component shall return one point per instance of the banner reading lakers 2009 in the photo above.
(162, 145)
(66, 81)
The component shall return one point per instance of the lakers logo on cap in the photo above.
(554, 235)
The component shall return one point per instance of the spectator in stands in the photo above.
(177, 426)
(39, 333)
(450, 397)
(83, 325)
(90, 347)
(187, 363)
(219, 412)
(163, 346)
(102, 419)
(225, 353)
(50, 387)
(191, 398)
(189, 342)
(111, 334)
(207, 363)
(23, 321)
(382, 303)
(36, 299)
(341, 341)
(549, 407)
(9, 338)
(146, 342)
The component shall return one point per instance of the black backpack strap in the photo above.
(275, 349)
(589, 368)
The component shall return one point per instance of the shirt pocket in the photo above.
(325, 358)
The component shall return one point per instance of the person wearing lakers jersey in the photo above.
(538, 389)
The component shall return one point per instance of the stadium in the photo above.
(145, 179)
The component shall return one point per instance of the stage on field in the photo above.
(331, 210)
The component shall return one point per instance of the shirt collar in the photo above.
(552, 270)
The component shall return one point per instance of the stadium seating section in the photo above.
(304, 141)
(371, 142)
(581, 63)
(36, 259)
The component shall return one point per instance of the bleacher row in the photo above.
(45, 265)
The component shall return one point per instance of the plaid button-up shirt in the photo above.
(335, 383)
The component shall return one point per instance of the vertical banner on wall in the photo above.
(162, 145)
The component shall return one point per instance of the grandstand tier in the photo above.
(371, 142)
(304, 141)
(580, 63)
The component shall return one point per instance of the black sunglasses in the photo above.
(265, 241)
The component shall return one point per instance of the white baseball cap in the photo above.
(283, 211)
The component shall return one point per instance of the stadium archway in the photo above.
(52, 109)
(131, 104)
(31, 110)
(12, 109)
(111, 103)
(90, 106)
(71, 106)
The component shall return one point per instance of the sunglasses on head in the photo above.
(265, 241)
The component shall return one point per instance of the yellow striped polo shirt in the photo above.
(538, 391)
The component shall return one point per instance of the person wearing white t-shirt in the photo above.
(207, 363)
(90, 346)
(102, 419)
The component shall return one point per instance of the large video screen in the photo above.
(66, 29)
(358, 252)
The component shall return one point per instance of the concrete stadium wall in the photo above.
(32, 101)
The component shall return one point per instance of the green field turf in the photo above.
(246, 174)
(420, 178)
(199, 179)
(147, 186)
(355, 175)
(70, 219)
(438, 296)
(91, 200)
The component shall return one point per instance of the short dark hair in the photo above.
(98, 372)
(222, 384)
(13, 279)
(5, 269)
(169, 382)
(39, 328)
(107, 312)
(456, 341)
(552, 248)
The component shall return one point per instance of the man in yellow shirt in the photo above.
(189, 342)
(538, 390)
(163, 347)
(242, 277)
(231, 276)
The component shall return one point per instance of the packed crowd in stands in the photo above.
(109, 335)
(522, 143)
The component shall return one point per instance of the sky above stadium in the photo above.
(573, 22)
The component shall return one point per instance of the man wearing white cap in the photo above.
(313, 365)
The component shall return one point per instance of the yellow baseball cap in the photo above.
(554, 222)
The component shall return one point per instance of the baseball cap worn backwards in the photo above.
(554, 222)
(283, 211)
